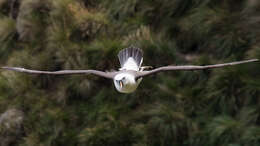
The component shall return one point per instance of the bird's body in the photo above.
(129, 76)
(131, 61)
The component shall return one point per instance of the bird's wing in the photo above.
(109, 75)
(190, 67)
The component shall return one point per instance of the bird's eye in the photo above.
(123, 78)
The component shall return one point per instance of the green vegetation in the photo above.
(202, 108)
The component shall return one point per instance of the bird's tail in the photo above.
(135, 53)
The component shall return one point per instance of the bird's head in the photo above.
(124, 82)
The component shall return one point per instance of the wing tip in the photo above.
(5, 67)
(251, 60)
(13, 68)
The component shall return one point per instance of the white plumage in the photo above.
(130, 64)
(126, 82)
(130, 59)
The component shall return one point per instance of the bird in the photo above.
(131, 72)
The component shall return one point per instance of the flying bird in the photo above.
(129, 76)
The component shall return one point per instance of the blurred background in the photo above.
(218, 107)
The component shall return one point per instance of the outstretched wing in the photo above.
(109, 75)
(190, 67)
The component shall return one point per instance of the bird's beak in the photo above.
(121, 83)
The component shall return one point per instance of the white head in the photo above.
(125, 82)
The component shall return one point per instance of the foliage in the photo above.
(211, 107)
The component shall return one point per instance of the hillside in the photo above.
(218, 107)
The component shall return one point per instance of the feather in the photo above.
(135, 53)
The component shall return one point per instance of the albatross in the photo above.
(129, 76)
